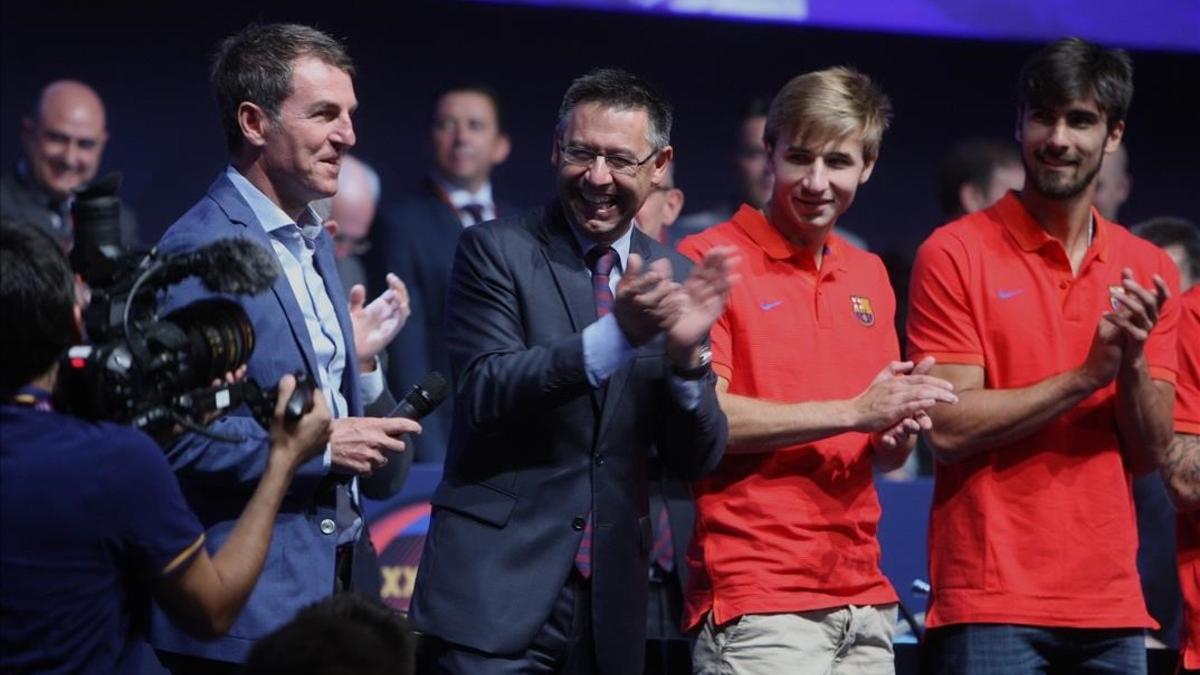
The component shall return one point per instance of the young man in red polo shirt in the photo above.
(1181, 472)
(1054, 326)
(784, 567)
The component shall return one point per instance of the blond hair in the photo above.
(830, 104)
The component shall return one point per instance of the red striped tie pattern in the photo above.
(600, 260)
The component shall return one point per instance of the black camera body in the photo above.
(157, 373)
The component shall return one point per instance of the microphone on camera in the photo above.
(233, 265)
(423, 397)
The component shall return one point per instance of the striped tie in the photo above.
(600, 260)
(663, 553)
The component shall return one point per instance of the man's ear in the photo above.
(554, 151)
(970, 198)
(1113, 141)
(254, 123)
(868, 169)
(673, 206)
(28, 130)
(662, 163)
(500, 149)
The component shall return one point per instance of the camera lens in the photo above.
(220, 336)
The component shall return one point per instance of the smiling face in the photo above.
(65, 139)
(601, 202)
(467, 141)
(301, 151)
(1063, 147)
(815, 183)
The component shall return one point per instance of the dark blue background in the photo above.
(150, 62)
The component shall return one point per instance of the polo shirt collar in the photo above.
(777, 247)
(1031, 236)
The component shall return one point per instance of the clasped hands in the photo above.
(1120, 339)
(649, 301)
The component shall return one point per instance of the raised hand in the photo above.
(1137, 312)
(702, 299)
(646, 302)
(376, 324)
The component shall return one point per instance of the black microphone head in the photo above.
(428, 393)
(233, 265)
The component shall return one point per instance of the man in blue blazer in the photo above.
(576, 343)
(286, 96)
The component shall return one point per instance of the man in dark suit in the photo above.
(287, 125)
(416, 240)
(63, 139)
(577, 344)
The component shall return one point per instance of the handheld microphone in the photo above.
(423, 397)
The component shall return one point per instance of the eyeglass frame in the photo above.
(630, 169)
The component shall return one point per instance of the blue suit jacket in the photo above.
(218, 477)
(416, 241)
(534, 448)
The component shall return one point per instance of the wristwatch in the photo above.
(696, 371)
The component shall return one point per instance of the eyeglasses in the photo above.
(622, 164)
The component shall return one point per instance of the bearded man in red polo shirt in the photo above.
(784, 566)
(1054, 326)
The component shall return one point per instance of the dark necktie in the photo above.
(475, 211)
(600, 260)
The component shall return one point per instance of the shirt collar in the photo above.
(267, 212)
(621, 246)
(1031, 236)
(777, 247)
(460, 197)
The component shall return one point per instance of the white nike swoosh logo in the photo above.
(1008, 295)
(768, 306)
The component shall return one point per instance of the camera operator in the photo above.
(93, 520)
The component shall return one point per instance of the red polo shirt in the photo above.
(1041, 531)
(792, 529)
(1187, 421)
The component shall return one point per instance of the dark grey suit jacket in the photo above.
(534, 448)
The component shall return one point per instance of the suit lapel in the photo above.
(570, 275)
(327, 269)
(238, 211)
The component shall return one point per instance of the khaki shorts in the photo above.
(843, 640)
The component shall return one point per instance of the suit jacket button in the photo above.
(578, 524)
(327, 526)
(599, 459)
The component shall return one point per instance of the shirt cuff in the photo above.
(687, 393)
(371, 384)
(605, 348)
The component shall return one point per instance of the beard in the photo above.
(1057, 186)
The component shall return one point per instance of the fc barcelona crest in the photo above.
(862, 310)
